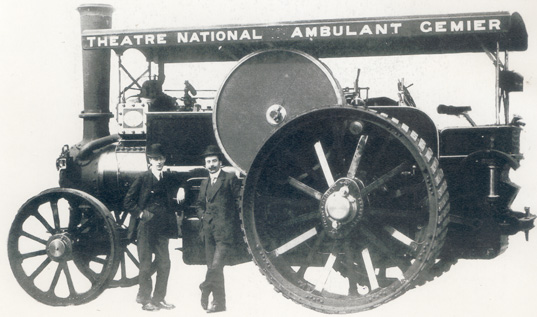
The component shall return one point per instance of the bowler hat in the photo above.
(154, 150)
(212, 150)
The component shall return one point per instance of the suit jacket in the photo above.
(136, 200)
(218, 205)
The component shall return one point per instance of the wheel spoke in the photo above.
(302, 270)
(69, 279)
(55, 279)
(33, 254)
(384, 249)
(43, 221)
(398, 235)
(86, 224)
(31, 236)
(123, 266)
(357, 156)
(55, 214)
(384, 178)
(98, 260)
(323, 277)
(324, 163)
(370, 269)
(300, 219)
(132, 257)
(40, 269)
(305, 188)
(295, 242)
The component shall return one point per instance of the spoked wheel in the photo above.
(129, 263)
(343, 209)
(63, 247)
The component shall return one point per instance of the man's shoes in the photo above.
(215, 308)
(163, 305)
(150, 307)
(204, 298)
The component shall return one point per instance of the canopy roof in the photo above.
(430, 34)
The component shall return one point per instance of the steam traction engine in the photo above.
(347, 202)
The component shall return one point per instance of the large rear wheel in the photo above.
(343, 209)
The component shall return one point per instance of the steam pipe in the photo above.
(96, 70)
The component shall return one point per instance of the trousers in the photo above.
(150, 242)
(215, 255)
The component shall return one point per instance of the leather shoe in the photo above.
(163, 305)
(150, 307)
(215, 308)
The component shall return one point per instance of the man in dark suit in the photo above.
(217, 207)
(149, 199)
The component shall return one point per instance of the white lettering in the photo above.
(90, 39)
(325, 30)
(204, 35)
(182, 37)
(479, 25)
(457, 26)
(161, 38)
(440, 26)
(232, 35)
(494, 24)
(349, 32)
(381, 29)
(311, 32)
(366, 29)
(126, 41)
(245, 35)
(425, 27)
(257, 37)
(113, 40)
(297, 33)
(220, 36)
(338, 30)
(149, 39)
(138, 39)
(194, 37)
(101, 41)
(396, 27)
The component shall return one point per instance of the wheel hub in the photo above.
(59, 247)
(341, 207)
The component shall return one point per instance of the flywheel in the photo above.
(263, 92)
(344, 208)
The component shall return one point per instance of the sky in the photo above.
(41, 88)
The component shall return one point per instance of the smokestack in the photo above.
(96, 70)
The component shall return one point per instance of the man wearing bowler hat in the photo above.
(217, 207)
(149, 199)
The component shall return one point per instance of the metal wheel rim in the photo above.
(72, 281)
(284, 276)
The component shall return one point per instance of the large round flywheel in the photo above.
(63, 247)
(343, 209)
(263, 92)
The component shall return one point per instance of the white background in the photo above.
(41, 95)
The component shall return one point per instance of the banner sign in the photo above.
(349, 30)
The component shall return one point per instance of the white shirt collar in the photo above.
(157, 173)
(214, 175)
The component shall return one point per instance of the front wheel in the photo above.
(63, 247)
(343, 209)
